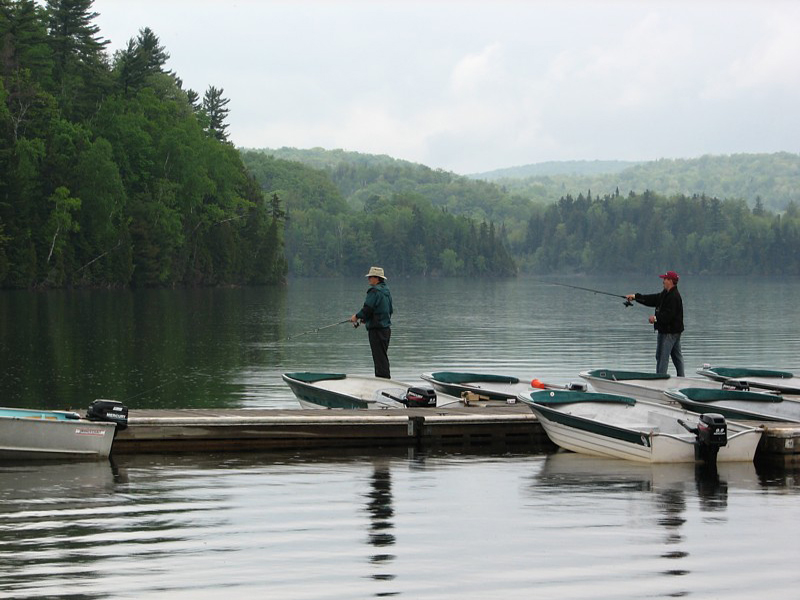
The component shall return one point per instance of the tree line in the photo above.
(648, 232)
(111, 173)
(401, 230)
(771, 179)
(633, 232)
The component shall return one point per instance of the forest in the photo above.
(579, 232)
(112, 174)
(395, 225)
(772, 179)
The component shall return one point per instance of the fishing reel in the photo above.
(627, 303)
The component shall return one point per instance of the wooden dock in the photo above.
(190, 430)
(512, 425)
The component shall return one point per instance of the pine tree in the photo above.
(215, 107)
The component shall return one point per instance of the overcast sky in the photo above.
(475, 86)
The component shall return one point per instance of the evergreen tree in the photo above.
(78, 51)
(216, 109)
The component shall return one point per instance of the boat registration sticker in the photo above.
(95, 431)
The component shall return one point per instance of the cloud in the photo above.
(475, 71)
(768, 63)
(472, 86)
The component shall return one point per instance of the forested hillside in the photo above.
(557, 167)
(111, 174)
(388, 220)
(771, 179)
(650, 233)
(581, 232)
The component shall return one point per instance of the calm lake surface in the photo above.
(484, 524)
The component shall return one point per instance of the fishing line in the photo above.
(316, 329)
(585, 289)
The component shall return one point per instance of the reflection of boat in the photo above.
(754, 377)
(621, 427)
(645, 386)
(337, 390)
(735, 404)
(52, 434)
(569, 468)
(26, 480)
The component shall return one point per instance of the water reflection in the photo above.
(670, 486)
(381, 513)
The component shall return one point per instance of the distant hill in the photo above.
(320, 158)
(564, 167)
(772, 179)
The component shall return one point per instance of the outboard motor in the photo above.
(712, 430)
(420, 397)
(712, 434)
(108, 410)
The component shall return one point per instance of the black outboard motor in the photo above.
(712, 434)
(108, 410)
(420, 397)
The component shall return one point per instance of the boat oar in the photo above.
(316, 329)
(585, 289)
(572, 386)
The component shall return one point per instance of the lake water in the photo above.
(490, 524)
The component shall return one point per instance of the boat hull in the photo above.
(49, 438)
(337, 390)
(598, 429)
(498, 388)
(642, 386)
(738, 405)
(754, 378)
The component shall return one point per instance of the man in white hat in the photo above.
(376, 314)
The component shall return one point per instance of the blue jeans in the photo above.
(669, 345)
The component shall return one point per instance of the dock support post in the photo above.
(415, 427)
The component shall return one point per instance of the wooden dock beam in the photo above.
(193, 430)
(242, 429)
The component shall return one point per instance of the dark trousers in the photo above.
(379, 344)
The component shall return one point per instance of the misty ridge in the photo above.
(773, 180)
(345, 207)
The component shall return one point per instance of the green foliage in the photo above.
(109, 176)
(648, 233)
(773, 180)
(421, 221)
(401, 230)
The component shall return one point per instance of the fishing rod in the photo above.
(316, 329)
(577, 287)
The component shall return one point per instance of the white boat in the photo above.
(621, 427)
(739, 405)
(338, 390)
(485, 387)
(641, 385)
(754, 377)
(52, 435)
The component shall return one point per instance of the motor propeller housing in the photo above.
(711, 434)
(712, 430)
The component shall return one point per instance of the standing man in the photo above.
(377, 315)
(667, 321)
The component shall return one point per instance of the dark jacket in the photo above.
(669, 309)
(377, 310)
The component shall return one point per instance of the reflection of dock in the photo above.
(244, 429)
